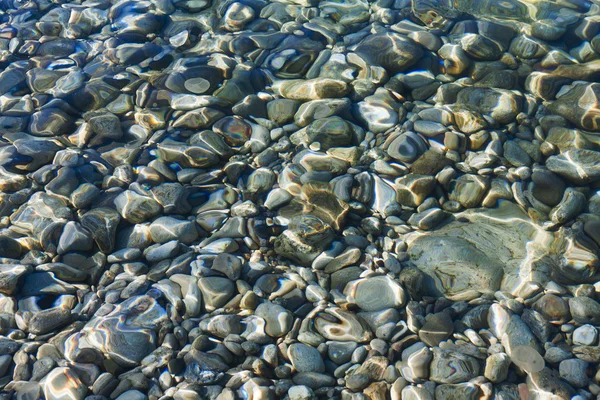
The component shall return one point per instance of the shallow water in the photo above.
(299, 199)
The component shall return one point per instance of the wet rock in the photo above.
(376, 293)
(126, 334)
(515, 335)
(572, 203)
(74, 238)
(497, 367)
(50, 122)
(165, 229)
(580, 106)
(502, 105)
(136, 208)
(469, 190)
(343, 326)
(304, 239)
(378, 112)
(459, 391)
(330, 132)
(547, 186)
(574, 372)
(313, 89)
(216, 291)
(10, 275)
(585, 310)
(452, 367)
(104, 124)
(407, 147)
(577, 166)
(102, 223)
(438, 327)
(278, 319)
(305, 358)
(586, 335)
(548, 383)
(392, 51)
(63, 382)
(480, 48)
(413, 189)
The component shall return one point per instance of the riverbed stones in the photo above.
(314, 89)
(497, 367)
(136, 208)
(299, 199)
(572, 203)
(305, 238)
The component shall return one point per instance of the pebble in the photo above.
(437, 328)
(278, 319)
(64, 382)
(585, 335)
(574, 372)
(452, 367)
(305, 358)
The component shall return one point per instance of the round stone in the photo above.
(305, 358)
(586, 335)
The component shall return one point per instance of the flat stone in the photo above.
(516, 337)
(313, 89)
(456, 392)
(165, 229)
(216, 291)
(497, 367)
(313, 380)
(136, 208)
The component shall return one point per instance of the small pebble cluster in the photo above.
(299, 199)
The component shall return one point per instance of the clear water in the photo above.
(299, 199)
